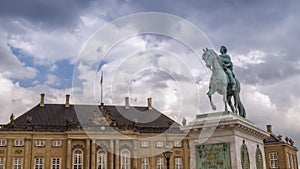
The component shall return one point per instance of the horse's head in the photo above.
(208, 57)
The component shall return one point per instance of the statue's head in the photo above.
(223, 49)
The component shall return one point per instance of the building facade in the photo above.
(65, 136)
(280, 154)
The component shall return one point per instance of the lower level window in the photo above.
(125, 159)
(77, 159)
(159, 163)
(178, 163)
(273, 160)
(55, 163)
(145, 163)
(2, 162)
(17, 164)
(38, 163)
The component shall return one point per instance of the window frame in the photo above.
(19, 142)
(3, 142)
(101, 153)
(125, 159)
(77, 159)
(158, 145)
(160, 162)
(2, 162)
(56, 143)
(145, 144)
(145, 163)
(178, 143)
(40, 143)
(274, 163)
(55, 162)
(178, 163)
(17, 163)
(38, 163)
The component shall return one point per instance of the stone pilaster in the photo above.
(69, 154)
(117, 154)
(185, 144)
(27, 153)
(9, 152)
(135, 159)
(87, 153)
(111, 158)
(93, 155)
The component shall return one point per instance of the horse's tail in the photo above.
(240, 106)
(242, 110)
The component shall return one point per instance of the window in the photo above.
(159, 163)
(101, 159)
(145, 163)
(259, 159)
(273, 160)
(38, 163)
(39, 143)
(19, 142)
(55, 163)
(77, 159)
(178, 163)
(56, 143)
(2, 142)
(159, 144)
(125, 159)
(17, 164)
(2, 162)
(144, 143)
(177, 143)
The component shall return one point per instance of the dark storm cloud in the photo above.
(47, 14)
(273, 69)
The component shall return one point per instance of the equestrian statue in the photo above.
(223, 80)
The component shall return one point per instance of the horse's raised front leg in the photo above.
(210, 93)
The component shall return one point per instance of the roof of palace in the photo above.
(58, 117)
(273, 139)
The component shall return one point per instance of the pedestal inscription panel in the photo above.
(213, 156)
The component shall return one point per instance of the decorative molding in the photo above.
(18, 151)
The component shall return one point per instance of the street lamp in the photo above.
(167, 153)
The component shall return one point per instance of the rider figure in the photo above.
(228, 66)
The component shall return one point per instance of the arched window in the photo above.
(77, 159)
(101, 159)
(259, 159)
(245, 156)
(125, 159)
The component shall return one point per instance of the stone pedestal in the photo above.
(215, 136)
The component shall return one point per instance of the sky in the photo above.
(61, 47)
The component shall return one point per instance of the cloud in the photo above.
(11, 67)
(46, 14)
(19, 99)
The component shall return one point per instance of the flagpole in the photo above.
(101, 82)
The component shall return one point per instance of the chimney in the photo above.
(67, 101)
(149, 103)
(269, 128)
(126, 102)
(42, 103)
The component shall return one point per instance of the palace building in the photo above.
(70, 136)
(280, 153)
(67, 136)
